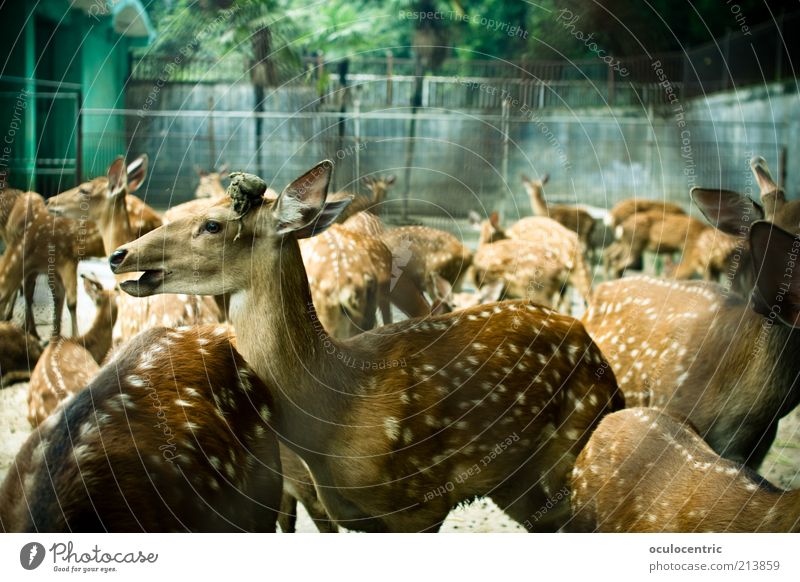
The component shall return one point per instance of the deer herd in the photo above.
(248, 359)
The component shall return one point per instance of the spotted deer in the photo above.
(720, 257)
(624, 209)
(397, 425)
(645, 471)
(42, 244)
(108, 212)
(19, 352)
(379, 188)
(83, 202)
(726, 363)
(425, 255)
(651, 231)
(573, 218)
(173, 434)
(540, 263)
(68, 364)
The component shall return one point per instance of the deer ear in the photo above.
(199, 171)
(525, 178)
(92, 285)
(390, 179)
(545, 179)
(474, 218)
(777, 270)
(137, 170)
(117, 177)
(491, 292)
(303, 201)
(730, 212)
(224, 170)
(494, 219)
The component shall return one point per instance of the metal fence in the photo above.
(455, 162)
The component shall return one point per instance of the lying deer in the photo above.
(644, 471)
(573, 218)
(540, 270)
(727, 364)
(68, 364)
(173, 434)
(19, 352)
(399, 425)
(108, 212)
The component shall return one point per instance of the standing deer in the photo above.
(173, 434)
(539, 264)
(645, 471)
(19, 352)
(399, 425)
(108, 212)
(574, 218)
(68, 364)
(727, 364)
(39, 243)
(379, 189)
(651, 231)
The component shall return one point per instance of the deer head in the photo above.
(379, 187)
(210, 185)
(223, 238)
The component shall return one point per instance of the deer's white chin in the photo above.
(150, 283)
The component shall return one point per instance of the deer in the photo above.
(173, 434)
(540, 263)
(624, 209)
(67, 365)
(39, 243)
(646, 471)
(350, 277)
(574, 218)
(379, 188)
(651, 231)
(210, 184)
(725, 362)
(113, 222)
(391, 423)
(716, 256)
(438, 252)
(19, 352)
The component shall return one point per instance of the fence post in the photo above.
(212, 154)
(505, 128)
(779, 48)
(389, 67)
(426, 90)
(726, 53)
(357, 135)
(610, 87)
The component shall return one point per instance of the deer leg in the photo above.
(57, 291)
(29, 289)
(287, 518)
(409, 298)
(384, 303)
(69, 279)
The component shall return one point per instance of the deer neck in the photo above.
(115, 227)
(97, 341)
(279, 334)
(538, 204)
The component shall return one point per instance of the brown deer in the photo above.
(68, 364)
(39, 243)
(210, 185)
(540, 263)
(397, 425)
(624, 209)
(574, 218)
(645, 471)
(714, 255)
(19, 352)
(379, 188)
(108, 212)
(651, 231)
(727, 364)
(173, 434)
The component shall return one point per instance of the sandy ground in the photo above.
(781, 467)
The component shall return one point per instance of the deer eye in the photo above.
(212, 227)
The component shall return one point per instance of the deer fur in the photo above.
(726, 363)
(68, 364)
(19, 352)
(573, 218)
(645, 471)
(173, 434)
(624, 209)
(378, 190)
(386, 419)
